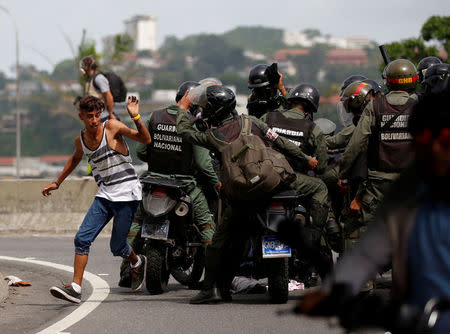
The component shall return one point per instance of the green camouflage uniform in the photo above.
(229, 240)
(341, 139)
(372, 191)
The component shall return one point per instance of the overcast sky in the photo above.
(43, 24)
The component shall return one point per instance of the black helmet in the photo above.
(376, 87)
(87, 63)
(220, 103)
(401, 74)
(184, 87)
(424, 64)
(437, 79)
(351, 79)
(304, 93)
(258, 76)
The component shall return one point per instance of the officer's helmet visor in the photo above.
(345, 116)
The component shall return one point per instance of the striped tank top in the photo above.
(113, 172)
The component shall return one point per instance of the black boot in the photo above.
(334, 234)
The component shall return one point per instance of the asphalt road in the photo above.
(32, 309)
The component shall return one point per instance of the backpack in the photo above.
(251, 170)
(116, 86)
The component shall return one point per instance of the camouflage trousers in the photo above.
(371, 194)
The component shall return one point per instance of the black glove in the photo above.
(272, 74)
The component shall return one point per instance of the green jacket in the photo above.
(202, 159)
(360, 138)
(341, 139)
(187, 132)
(316, 140)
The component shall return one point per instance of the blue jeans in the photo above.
(99, 214)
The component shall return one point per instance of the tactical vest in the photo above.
(390, 145)
(298, 131)
(168, 153)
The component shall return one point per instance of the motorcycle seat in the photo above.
(287, 194)
(164, 182)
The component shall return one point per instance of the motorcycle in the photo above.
(269, 256)
(172, 242)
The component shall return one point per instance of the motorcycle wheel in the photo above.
(192, 275)
(278, 280)
(157, 274)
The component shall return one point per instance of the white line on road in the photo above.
(100, 292)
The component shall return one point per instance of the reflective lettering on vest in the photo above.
(297, 131)
(390, 146)
(168, 153)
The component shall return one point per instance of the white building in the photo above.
(143, 30)
(292, 38)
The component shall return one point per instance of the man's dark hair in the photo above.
(431, 112)
(90, 103)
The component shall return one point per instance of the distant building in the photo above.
(347, 56)
(292, 38)
(143, 30)
(286, 54)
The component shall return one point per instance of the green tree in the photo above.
(437, 28)
(64, 70)
(308, 66)
(413, 49)
(260, 39)
(122, 44)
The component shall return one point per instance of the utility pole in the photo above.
(18, 127)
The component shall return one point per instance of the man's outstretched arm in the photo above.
(73, 162)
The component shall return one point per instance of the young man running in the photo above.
(119, 189)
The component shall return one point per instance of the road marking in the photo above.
(100, 290)
(103, 274)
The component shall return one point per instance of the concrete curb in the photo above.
(4, 289)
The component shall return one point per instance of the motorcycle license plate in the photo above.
(273, 248)
(155, 228)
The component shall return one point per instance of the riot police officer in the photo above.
(223, 127)
(382, 129)
(266, 83)
(169, 156)
(296, 125)
(424, 64)
(350, 79)
(437, 79)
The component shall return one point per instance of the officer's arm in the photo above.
(141, 149)
(341, 139)
(320, 151)
(357, 143)
(282, 143)
(203, 161)
(186, 130)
